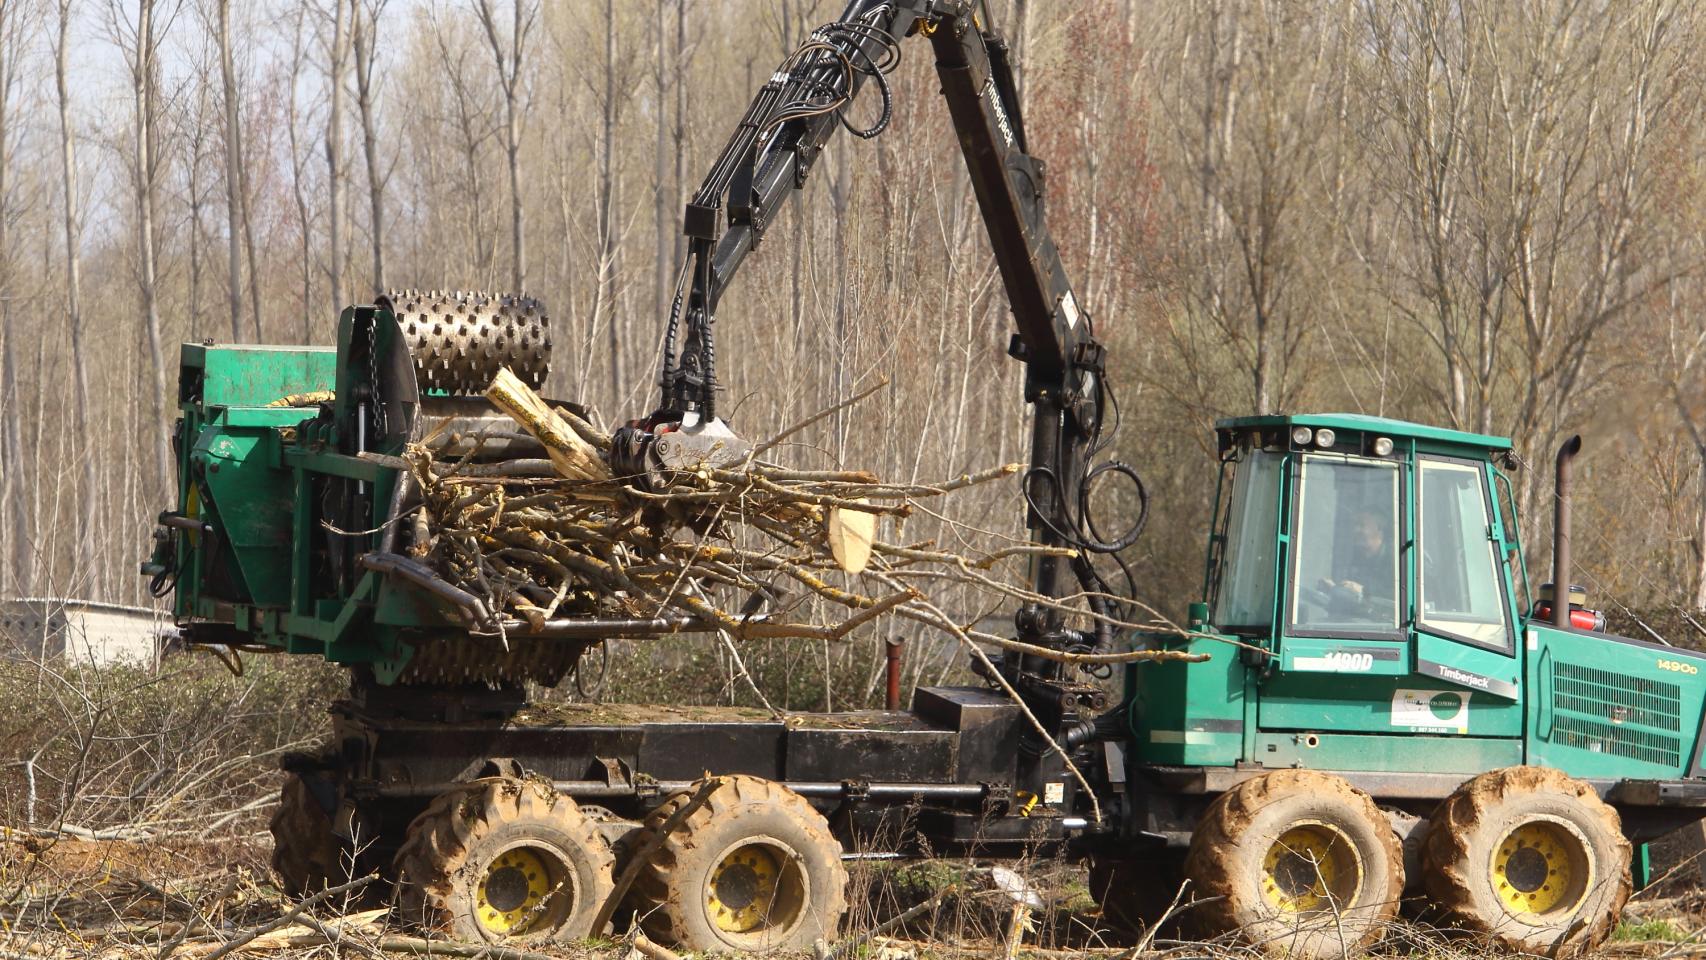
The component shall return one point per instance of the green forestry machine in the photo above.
(1381, 709)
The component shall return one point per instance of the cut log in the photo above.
(573, 457)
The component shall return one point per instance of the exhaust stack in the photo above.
(1561, 535)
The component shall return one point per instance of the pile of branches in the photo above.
(750, 549)
(739, 548)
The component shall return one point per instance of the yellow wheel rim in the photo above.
(511, 898)
(1310, 867)
(758, 887)
(1540, 867)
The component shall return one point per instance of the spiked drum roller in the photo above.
(461, 340)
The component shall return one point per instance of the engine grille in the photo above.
(1616, 713)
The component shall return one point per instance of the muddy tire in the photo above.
(504, 860)
(306, 857)
(753, 870)
(1530, 858)
(1298, 862)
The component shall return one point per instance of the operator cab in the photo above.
(1367, 580)
(1353, 506)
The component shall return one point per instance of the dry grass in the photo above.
(148, 840)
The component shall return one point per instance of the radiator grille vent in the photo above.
(1582, 734)
(1617, 697)
(1594, 710)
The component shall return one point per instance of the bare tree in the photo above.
(73, 271)
(140, 42)
(509, 50)
(364, 26)
(299, 161)
(337, 56)
(195, 195)
(238, 222)
(16, 19)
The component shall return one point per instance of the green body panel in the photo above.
(253, 376)
(249, 500)
(1382, 705)
(1605, 708)
(1370, 752)
(1189, 713)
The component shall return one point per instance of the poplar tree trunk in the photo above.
(662, 201)
(143, 72)
(509, 69)
(14, 523)
(237, 224)
(365, 25)
(73, 282)
(335, 154)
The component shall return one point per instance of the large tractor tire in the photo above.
(1298, 862)
(504, 860)
(306, 857)
(1529, 857)
(753, 870)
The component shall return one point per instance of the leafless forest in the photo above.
(1478, 213)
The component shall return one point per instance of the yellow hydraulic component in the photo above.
(1310, 867)
(512, 892)
(743, 889)
(1535, 868)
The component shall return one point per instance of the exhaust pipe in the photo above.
(1561, 535)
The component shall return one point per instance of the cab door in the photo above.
(1343, 644)
(1465, 636)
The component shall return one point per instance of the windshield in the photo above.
(1345, 575)
(1245, 597)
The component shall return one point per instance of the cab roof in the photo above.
(1367, 424)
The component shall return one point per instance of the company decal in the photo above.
(1431, 711)
(1493, 685)
(1000, 109)
(1345, 660)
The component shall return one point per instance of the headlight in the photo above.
(1383, 446)
(1325, 438)
(1301, 436)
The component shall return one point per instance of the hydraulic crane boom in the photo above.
(772, 152)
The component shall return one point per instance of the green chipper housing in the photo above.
(1385, 709)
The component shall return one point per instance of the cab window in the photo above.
(1345, 548)
(1458, 581)
(1245, 592)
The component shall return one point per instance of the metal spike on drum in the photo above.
(461, 340)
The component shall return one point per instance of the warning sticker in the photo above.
(1431, 711)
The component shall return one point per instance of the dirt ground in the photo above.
(72, 898)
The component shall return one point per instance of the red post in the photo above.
(892, 701)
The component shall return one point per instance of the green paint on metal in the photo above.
(1188, 713)
(1376, 753)
(1395, 429)
(251, 376)
(1604, 708)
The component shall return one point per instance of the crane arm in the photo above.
(774, 147)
